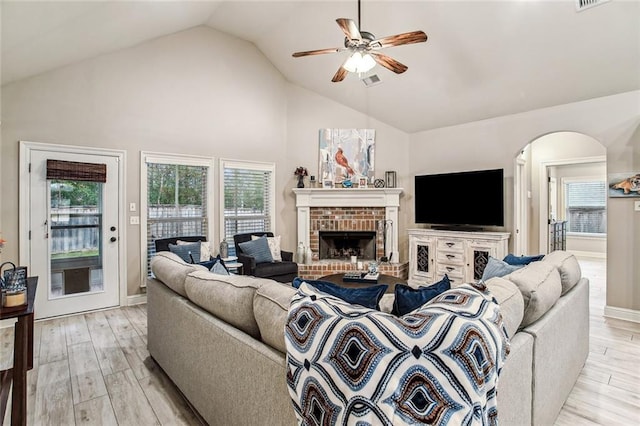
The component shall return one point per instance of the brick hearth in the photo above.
(321, 268)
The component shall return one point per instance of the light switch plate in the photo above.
(636, 206)
(134, 220)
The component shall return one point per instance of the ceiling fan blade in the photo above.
(339, 75)
(318, 52)
(389, 62)
(349, 28)
(399, 39)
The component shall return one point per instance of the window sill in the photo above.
(586, 236)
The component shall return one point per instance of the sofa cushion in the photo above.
(510, 300)
(497, 268)
(258, 249)
(407, 298)
(568, 267)
(172, 270)
(228, 297)
(270, 308)
(539, 283)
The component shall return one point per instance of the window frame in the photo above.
(171, 159)
(563, 204)
(246, 165)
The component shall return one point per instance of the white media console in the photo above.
(459, 254)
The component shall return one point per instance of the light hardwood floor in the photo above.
(94, 369)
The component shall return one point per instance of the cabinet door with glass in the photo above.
(421, 264)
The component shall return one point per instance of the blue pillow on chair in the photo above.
(521, 260)
(190, 253)
(369, 297)
(409, 298)
(258, 249)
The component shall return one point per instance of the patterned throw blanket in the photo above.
(349, 365)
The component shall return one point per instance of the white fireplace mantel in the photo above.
(389, 198)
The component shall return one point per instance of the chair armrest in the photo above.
(248, 263)
(287, 256)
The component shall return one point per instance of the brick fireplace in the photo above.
(349, 214)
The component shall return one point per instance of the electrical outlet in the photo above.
(134, 220)
(132, 207)
(637, 206)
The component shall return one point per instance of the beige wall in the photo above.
(198, 92)
(613, 121)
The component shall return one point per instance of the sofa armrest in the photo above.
(287, 256)
(248, 264)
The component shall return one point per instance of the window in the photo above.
(585, 202)
(248, 193)
(176, 200)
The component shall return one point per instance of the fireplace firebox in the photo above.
(344, 244)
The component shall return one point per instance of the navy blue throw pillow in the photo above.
(369, 297)
(521, 260)
(409, 298)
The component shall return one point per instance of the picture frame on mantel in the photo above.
(362, 182)
(345, 154)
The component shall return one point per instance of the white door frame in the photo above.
(543, 202)
(521, 222)
(25, 196)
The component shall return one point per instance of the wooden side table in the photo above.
(22, 359)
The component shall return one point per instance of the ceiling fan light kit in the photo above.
(363, 47)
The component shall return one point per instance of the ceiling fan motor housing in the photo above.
(367, 38)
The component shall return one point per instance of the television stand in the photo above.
(461, 255)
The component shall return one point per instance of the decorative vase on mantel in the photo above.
(300, 181)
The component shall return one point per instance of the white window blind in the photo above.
(585, 203)
(248, 192)
(177, 200)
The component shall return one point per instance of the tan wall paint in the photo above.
(612, 120)
(196, 92)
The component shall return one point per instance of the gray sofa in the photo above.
(221, 339)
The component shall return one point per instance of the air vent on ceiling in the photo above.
(586, 4)
(371, 80)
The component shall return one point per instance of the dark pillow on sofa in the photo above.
(409, 298)
(521, 260)
(369, 297)
(258, 249)
(497, 268)
(190, 253)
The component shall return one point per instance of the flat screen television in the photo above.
(465, 199)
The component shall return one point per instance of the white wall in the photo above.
(197, 92)
(613, 120)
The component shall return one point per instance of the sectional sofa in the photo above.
(221, 339)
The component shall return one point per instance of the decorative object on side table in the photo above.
(13, 283)
(301, 172)
(224, 249)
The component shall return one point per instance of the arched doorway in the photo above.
(571, 167)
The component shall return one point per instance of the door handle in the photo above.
(113, 239)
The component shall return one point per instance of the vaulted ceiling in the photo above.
(483, 59)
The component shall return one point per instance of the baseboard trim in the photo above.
(622, 314)
(136, 299)
(593, 254)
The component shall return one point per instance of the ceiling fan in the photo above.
(364, 49)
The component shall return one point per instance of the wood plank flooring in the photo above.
(94, 369)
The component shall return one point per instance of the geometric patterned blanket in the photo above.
(350, 365)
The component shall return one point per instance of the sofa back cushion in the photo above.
(271, 307)
(511, 302)
(172, 271)
(228, 297)
(539, 283)
(568, 267)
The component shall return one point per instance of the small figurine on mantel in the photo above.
(301, 172)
